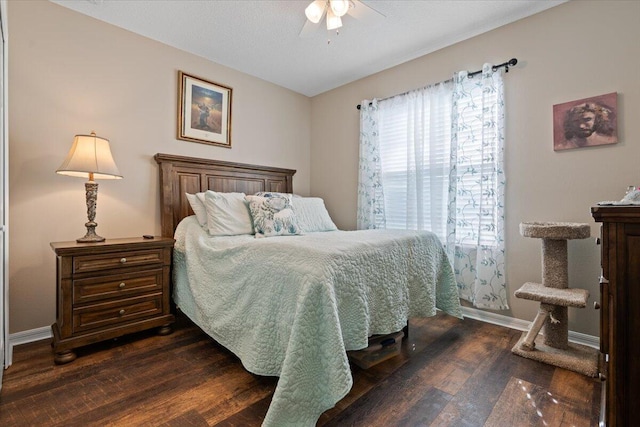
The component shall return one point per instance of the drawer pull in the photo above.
(121, 312)
(596, 305)
(121, 285)
(123, 260)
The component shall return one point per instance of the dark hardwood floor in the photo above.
(450, 373)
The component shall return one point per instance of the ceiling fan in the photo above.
(334, 11)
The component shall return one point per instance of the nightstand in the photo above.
(109, 289)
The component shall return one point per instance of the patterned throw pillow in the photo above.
(274, 194)
(273, 216)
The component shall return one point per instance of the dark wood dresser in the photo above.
(620, 314)
(108, 289)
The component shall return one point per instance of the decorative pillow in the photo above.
(273, 216)
(227, 214)
(312, 215)
(197, 205)
(275, 194)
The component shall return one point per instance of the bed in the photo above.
(292, 306)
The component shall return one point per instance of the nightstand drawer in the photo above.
(83, 264)
(112, 313)
(117, 286)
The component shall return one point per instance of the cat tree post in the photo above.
(555, 298)
(555, 275)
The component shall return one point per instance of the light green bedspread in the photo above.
(291, 306)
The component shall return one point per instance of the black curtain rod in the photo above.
(510, 63)
(506, 65)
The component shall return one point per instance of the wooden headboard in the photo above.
(180, 175)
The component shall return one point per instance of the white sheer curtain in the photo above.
(431, 159)
(475, 232)
(371, 212)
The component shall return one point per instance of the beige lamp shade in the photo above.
(90, 157)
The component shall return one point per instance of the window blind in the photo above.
(415, 134)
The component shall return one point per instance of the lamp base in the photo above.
(91, 236)
(90, 239)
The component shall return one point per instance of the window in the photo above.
(431, 159)
(415, 136)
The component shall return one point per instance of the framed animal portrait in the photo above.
(586, 122)
(204, 111)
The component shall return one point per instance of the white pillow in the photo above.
(227, 214)
(197, 205)
(312, 214)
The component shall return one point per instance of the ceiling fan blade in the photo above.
(310, 28)
(364, 12)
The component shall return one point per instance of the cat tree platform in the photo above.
(563, 297)
(555, 297)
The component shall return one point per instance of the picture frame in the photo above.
(204, 111)
(586, 122)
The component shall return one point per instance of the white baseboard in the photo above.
(26, 337)
(473, 313)
(523, 325)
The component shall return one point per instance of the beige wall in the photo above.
(576, 50)
(71, 74)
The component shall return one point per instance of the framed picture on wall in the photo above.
(204, 111)
(586, 122)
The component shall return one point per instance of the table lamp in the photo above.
(90, 157)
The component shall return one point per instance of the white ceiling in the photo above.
(261, 37)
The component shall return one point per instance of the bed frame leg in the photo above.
(406, 331)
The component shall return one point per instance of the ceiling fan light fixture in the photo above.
(339, 7)
(333, 21)
(315, 10)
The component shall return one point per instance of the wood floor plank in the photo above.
(187, 419)
(423, 333)
(11, 415)
(43, 379)
(248, 394)
(252, 415)
(396, 395)
(473, 404)
(158, 393)
(523, 403)
(425, 409)
(450, 372)
(578, 391)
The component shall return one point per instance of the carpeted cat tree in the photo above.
(555, 298)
